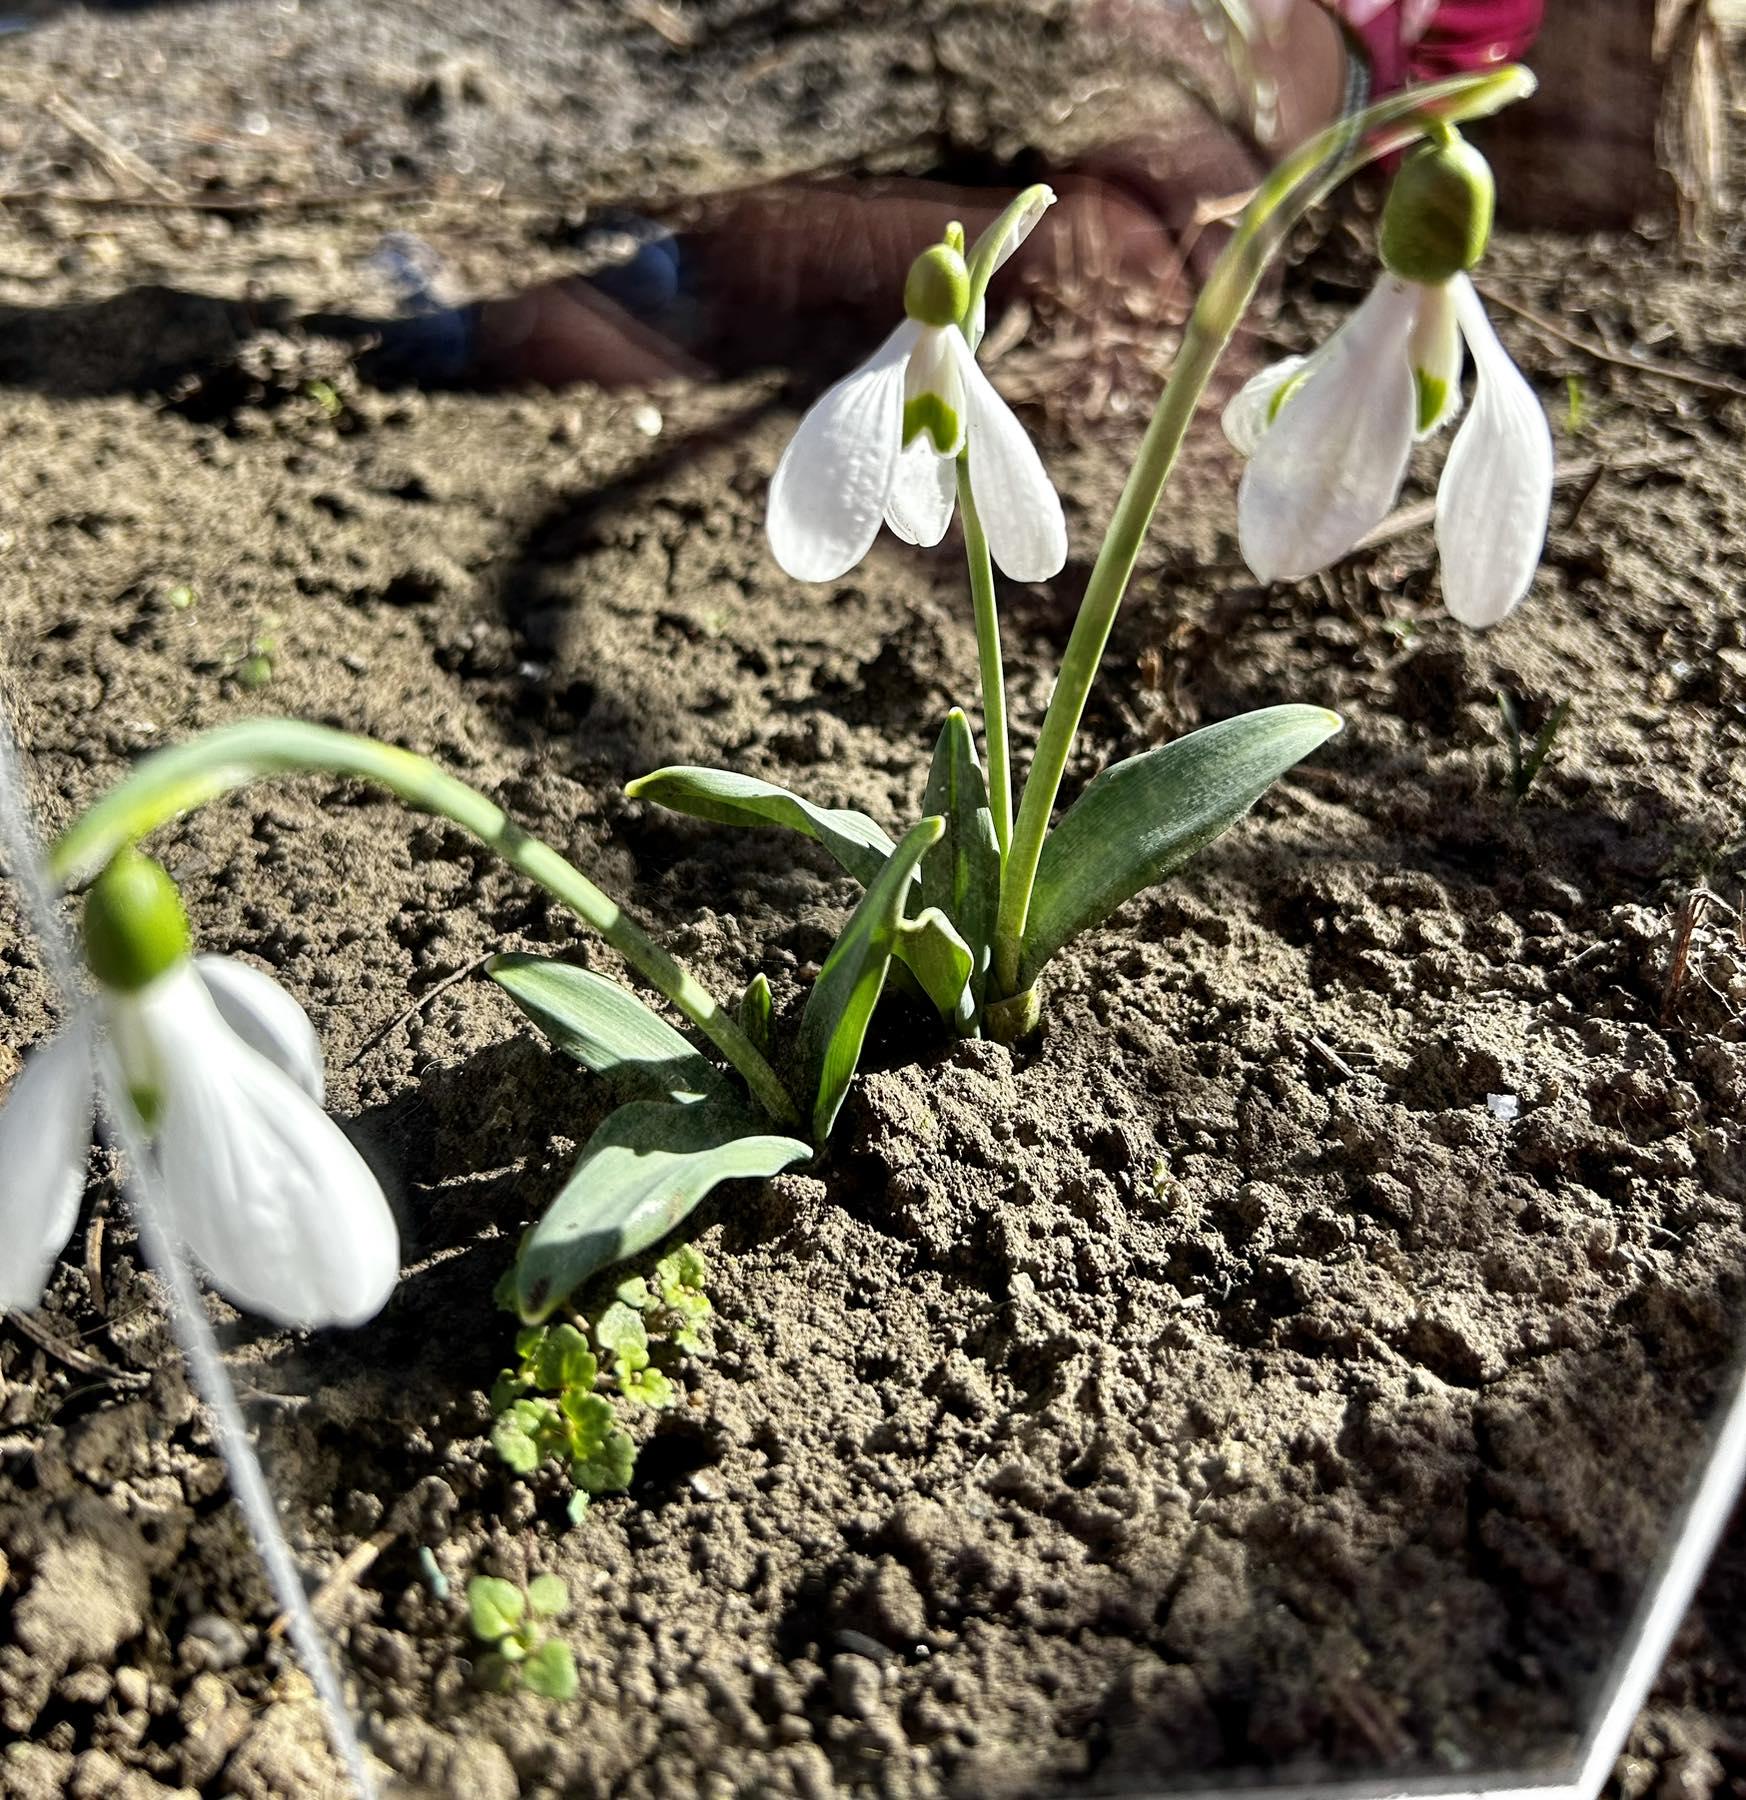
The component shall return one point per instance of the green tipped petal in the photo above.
(930, 413)
(1433, 394)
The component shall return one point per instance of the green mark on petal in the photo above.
(929, 413)
(1433, 392)
(1284, 392)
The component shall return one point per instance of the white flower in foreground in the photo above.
(883, 445)
(226, 1074)
(1328, 436)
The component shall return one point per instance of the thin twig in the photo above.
(115, 157)
(418, 1005)
(75, 1359)
(1624, 359)
(341, 1579)
(1691, 910)
(1591, 469)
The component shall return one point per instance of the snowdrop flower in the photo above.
(883, 443)
(226, 1074)
(1328, 436)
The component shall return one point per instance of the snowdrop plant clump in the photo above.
(965, 908)
(225, 1073)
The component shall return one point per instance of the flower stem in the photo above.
(176, 781)
(1307, 176)
(989, 659)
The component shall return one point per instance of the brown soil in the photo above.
(1219, 1383)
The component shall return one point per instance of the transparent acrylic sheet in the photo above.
(420, 299)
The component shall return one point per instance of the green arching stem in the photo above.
(1307, 176)
(176, 781)
(989, 658)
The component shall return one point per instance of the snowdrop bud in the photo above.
(1438, 217)
(938, 288)
(135, 928)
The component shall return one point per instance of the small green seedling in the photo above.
(1576, 405)
(624, 1337)
(547, 1410)
(676, 1307)
(513, 1624)
(1526, 761)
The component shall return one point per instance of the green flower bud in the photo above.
(938, 288)
(1438, 217)
(135, 928)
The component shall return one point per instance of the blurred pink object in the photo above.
(1420, 40)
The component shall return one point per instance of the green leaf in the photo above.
(620, 1332)
(496, 1671)
(857, 843)
(834, 1025)
(686, 1267)
(576, 1506)
(607, 1469)
(1145, 817)
(564, 1360)
(755, 1009)
(961, 874)
(547, 1596)
(607, 1029)
(635, 1292)
(650, 1387)
(494, 1607)
(551, 1671)
(938, 958)
(642, 1172)
(516, 1449)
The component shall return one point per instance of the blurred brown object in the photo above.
(1629, 123)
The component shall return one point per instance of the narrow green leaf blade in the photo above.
(938, 958)
(642, 1172)
(961, 874)
(1142, 818)
(834, 1025)
(858, 844)
(607, 1029)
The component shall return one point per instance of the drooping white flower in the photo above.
(261, 1185)
(1328, 436)
(882, 445)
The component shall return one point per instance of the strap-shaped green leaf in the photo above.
(939, 959)
(642, 1172)
(834, 1025)
(858, 844)
(961, 874)
(1142, 818)
(607, 1030)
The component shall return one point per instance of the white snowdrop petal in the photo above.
(45, 1141)
(1496, 493)
(1434, 350)
(262, 1186)
(829, 491)
(1016, 501)
(923, 494)
(1328, 468)
(266, 1018)
(935, 371)
(1249, 411)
